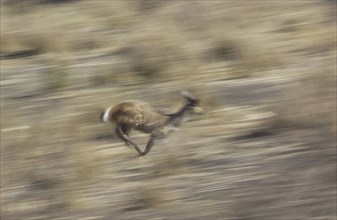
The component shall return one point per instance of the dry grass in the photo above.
(309, 102)
(265, 71)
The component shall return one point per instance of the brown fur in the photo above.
(141, 116)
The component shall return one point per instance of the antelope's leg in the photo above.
(120, 134)
(149, 145)
(126, 131)
(122, 131)
(126, 139)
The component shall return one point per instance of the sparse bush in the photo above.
(57, 74)
(29, 44)
(146, 5)
(16, 2)
(57, 77)
(226, 50)
(149, 58)
(56, 1)
(309, 103)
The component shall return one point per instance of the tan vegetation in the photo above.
(264, 70)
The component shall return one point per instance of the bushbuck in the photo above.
(141, 116)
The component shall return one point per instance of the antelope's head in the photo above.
(192, 103)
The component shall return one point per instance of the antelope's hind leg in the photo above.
(148, 147)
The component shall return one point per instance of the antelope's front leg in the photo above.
(125, 138)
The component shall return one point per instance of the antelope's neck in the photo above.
(176, 119)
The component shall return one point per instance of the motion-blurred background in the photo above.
(264, 70)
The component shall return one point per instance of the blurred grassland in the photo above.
(264, 70)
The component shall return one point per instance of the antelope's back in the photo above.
(133, 113)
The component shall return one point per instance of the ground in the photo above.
(264, 71)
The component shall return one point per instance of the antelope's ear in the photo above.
(185, 94)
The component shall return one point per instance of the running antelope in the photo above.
(141, 116)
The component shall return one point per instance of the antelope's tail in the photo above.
(106, 115)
